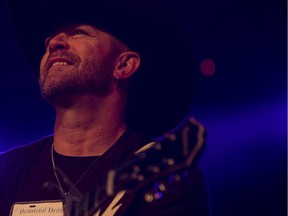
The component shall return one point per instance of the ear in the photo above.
(127, 63)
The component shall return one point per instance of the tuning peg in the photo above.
(159, 186)
(158, 146)
(173, 178)
(158, 195)
(154, 169)
(170, 136)
(140, 178)
(150, 197)
(177, 177)
(168, 161)
(136, 168)
(162, 187)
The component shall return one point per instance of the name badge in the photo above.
(43, 208)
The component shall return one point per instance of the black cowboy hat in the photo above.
(161, 91)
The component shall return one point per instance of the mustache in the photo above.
(63, 54)
(70, 57)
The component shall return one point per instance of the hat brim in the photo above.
(162, 90)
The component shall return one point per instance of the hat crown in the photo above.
(161, 91)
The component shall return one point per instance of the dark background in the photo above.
(243, 104)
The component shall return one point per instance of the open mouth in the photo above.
(58, 62)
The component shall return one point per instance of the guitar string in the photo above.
(57, 177)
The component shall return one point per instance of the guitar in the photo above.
(157, 167)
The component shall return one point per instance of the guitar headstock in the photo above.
(165, 160)
(157, 167)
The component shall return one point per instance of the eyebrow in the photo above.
(59, 29)
(69, 27)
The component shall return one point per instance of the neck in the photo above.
(88, 125)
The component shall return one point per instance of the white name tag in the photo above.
(44, 208)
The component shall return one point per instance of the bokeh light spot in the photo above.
(207, 67)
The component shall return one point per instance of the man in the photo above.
(112, 71)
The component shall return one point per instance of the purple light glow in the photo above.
(245, 158)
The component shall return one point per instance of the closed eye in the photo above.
(78, 32)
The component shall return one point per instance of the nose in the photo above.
(58, 42)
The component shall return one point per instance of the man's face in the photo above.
(78, 59)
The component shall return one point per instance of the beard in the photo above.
(93, 76)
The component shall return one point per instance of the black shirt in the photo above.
(25, 170)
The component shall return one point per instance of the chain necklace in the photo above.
(65, 179)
